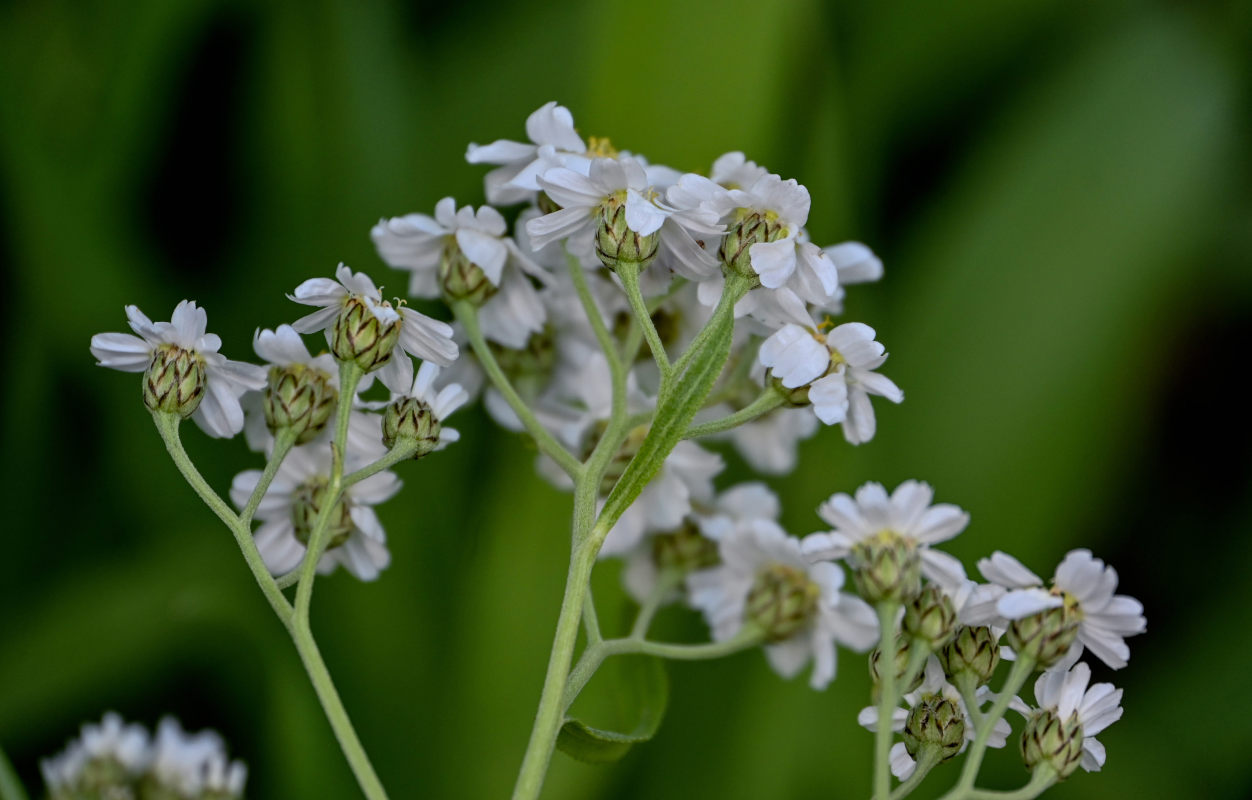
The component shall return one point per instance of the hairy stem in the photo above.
(887, 701)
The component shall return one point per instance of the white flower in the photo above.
(421, 336)
(768, 443)
(734, 171)
(218, 413)
(838, 367)
(442, 402)
(283, 347)
(758, 552)
(417, 242)
(111, 741)
(854, 262)
(906, 513)
(1065, 693)
(553, 140)
(1105, 618)
(357, 539)
(934, 683)
(582, 197)
(194, 764)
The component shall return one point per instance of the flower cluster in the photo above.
(119, 760)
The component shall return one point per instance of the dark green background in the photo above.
(1059, 189)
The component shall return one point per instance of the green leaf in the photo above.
(630, 705)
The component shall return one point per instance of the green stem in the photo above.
(1040, 781)
(918, 652)
(887, 701)
(167, 426)
(768, 400)
(403, 451)
(591, 621)
(930, 758)
(10, 787)
(284, 440)
(1022, 669)
(629, 275)
(967, 685)
(467, 315)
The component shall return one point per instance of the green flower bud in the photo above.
(616, 243)
(1047, 636)
(930, 617)
(685, 550)
(103, 777)
(461, 278)
(887, 568)
(974, 650)
(935, 722)
(749, 228)
(900, 663)
(359, 336)
(796, 398)
(781, 601)
(306, 504)
(411, 419)
(1048, 739)
(175, 381)
(301, 398)
(535, 360)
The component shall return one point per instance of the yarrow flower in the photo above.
(887, 538)
(417, 413)
(301, 389)
(553, 141)
(1080, 610)
(185, 374)
(765, 581)
(1061, 732)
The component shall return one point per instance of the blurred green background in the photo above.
(1060, 191)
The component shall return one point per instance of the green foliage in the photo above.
(627, 697)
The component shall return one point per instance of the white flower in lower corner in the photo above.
(765, 580)
(356, 540)
(362, 327)
(194, 764)
(838, 370)
(875, 523)
(1082, 598)
(185, 373)
(1062, 731)
(947, 721)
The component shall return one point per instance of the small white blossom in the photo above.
(1065, 692)
(442, 401)
(553, 141)
(581, 198)
(111, 741)
(1105, 618)
(219, 413)
(907, 513)
(734, 171)
(749, 552)
(194, 764)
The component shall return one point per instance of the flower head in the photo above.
(1062, 731)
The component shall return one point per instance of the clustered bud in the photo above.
(360, 336)
(684, 550)
(300, 398)
(461, 278)
(900, 664)
(1047, 636)
(935, 723)
(887, 568)
(616, 243)
(750, 227)
(930, 617)
(411, 420)
(1048, 739)
(781, 601)
(306, 504)
(975, 650)
(175, 381)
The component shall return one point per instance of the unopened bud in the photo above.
(365, 335)
(307, 502)
(935, 722)
(781, 601)
(749, 228)
(796, 398)
(887, 568)
(175, 381)
(684, 550)
(930, 617)
(974, 650)
(899, 662)
(616, 243)
(461, 278)
(298, 397)
(1047, 636)
(410, 419)
(1048, 739)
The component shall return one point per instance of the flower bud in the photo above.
(461, 278)
(175, 381)
(1047, 636)
(685, 550)
(411, 419)
(900, 663)
(781, 601)
(795, 398)
(298, 397)
(535, 360)
(360, 336)
(935, 722)
(1048, 739)
(616, 243)
(307, 502)
(749, 228)
(930, 617)
(887, 568)
(974, 650)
